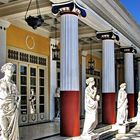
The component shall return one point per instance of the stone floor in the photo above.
(134, 134)
(51, 131)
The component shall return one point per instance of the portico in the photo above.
(78, 21)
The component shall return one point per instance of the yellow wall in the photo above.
(16, 37)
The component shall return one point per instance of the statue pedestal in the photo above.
(90, 137)
(138, 119)
(122, 129)
(57, 119)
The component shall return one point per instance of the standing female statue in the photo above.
(138, 112)
(32, 102)
(91, 106)
(9, 103)
(122, 108)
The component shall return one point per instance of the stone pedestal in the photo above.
(138, 121)
(123, 129)
(87, 137)
(90, 137)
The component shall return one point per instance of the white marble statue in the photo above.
(9, 103)
(57, 101)
(91, 106)
(138, 106)
(122, 107)
(32, 102)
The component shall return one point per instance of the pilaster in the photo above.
(3, 26)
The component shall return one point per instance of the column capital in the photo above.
(70, 7)
(107, 35)
(84, 53)
(128, 50)
(4, 24)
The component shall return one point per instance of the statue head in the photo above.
(90, 80)
(123, 85)
(8, 69)
(97, 97)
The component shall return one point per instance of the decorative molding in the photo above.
(128, 50)
(28, 38)
(84, 53)
(113, 16)
(70, 7)
(107, 35)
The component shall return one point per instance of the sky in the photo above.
(133, 7)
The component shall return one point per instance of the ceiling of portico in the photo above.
(14, 11)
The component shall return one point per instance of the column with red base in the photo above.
(69, 69)
(129, 79)
(108, 76)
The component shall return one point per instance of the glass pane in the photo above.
(23, 100)
(58, 75)
(23, 80)
(32, 81)
(41, 82)
(41, 90)
(23, 70)
(41, 100)
(14, 78)
(41, 108)
(23, 109)
(23, 90)
(58, 64)
(58, 83)
(32, 71)
(41, 73)
(15, 67)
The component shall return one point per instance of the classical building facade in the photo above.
(102, 31)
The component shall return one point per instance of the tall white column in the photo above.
(108, 76)
(69, 69)
(129, 79)
(108, 66)
(53, 81)
(3, 26)
(84, 54)
(69, 53)
(129, 72)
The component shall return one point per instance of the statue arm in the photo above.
(91, 92)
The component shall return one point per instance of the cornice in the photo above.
(123, 25)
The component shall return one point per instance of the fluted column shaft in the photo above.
(69, 53)
(129, 80)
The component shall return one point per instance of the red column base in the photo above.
(108, 108)
(131, 112)
(70, 113)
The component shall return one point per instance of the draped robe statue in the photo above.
(91, 106)
(122, 107)
(138, 112)
(9, 103)
(32, 100)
